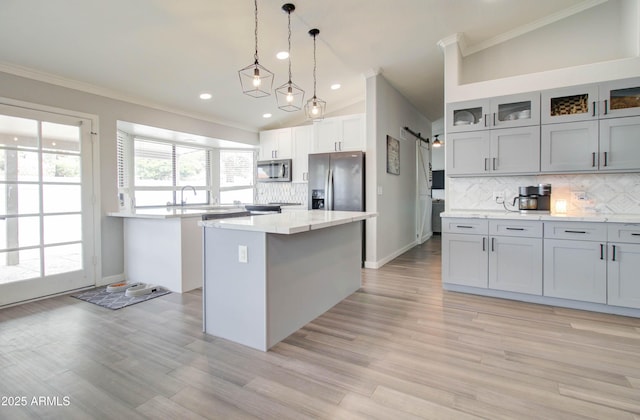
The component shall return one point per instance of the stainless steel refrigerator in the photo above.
(336, 181)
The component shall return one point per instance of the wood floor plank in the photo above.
(398, 348)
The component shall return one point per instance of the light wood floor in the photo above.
(399, 348)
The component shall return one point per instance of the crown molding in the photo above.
(466, 49)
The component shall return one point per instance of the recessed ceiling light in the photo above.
(206, 96)
(282, 55)
(267, 115)
(336, 86)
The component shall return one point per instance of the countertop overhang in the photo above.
(288, 223)
(553, 217)
(175, 212)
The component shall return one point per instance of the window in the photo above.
(236, 176)
(157, 173)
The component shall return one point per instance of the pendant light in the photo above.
(289, 96)
(256, 81)
(315, 107)
(436, 142)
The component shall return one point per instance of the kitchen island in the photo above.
(163, 245)
(267, 276)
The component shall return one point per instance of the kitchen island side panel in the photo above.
(234, 292)
(308, 273)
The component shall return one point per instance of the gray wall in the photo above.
(109, 111)
(394, 230)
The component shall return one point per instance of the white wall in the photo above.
(550, 51)
(109, 111)
(394, 230)
(601, 33)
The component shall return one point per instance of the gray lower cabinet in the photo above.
(501, 255)
(515, 256)
(464, 251)
(575, 270)
(464, 259)
(623, 266)
(575, 261)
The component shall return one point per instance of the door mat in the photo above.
(115, 300)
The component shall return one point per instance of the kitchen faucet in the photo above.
(182, 202)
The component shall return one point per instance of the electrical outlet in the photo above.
(498, 196)
(578, 195)
(242, 254)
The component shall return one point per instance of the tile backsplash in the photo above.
(281, 192)
(603, 193)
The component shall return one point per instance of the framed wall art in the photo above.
(393, 156)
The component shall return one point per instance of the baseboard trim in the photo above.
(379, 263)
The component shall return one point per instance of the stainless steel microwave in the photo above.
(274, 170)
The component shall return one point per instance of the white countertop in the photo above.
(290, 222)
(173, 212)
(584, 217)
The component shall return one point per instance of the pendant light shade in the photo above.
(315, 107)
(436, 142)
(289, 96)
(256, 81)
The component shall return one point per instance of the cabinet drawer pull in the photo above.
(601, 252)
(606, 105)
(464, 227)
(575, 231)
(493, 244)
(484, 246)
(593, 109)
(635, 234)
(510, 228)
(494, 163)
(494, 119)
(613, 248)
(485, 163)
(605, 158)
(485, 119)
(593, 159)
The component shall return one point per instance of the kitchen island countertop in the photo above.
(289, 222)
(173, 212)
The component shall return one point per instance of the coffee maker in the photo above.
(534, 199)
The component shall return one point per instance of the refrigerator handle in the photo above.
(326, 189)
(329, 205)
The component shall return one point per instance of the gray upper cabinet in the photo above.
(501, 151)
(576, 103)
(619, 144)
(620, 98)
(499, 112)
(569, 147)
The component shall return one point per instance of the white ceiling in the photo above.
(166, 52)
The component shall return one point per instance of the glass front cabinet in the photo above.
(620, 98)
(501, 112)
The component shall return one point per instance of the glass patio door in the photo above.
(46, 209)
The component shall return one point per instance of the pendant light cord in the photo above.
(314, 65)
(255, 55)
(289, 39)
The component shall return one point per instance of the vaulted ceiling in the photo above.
(165, 53)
